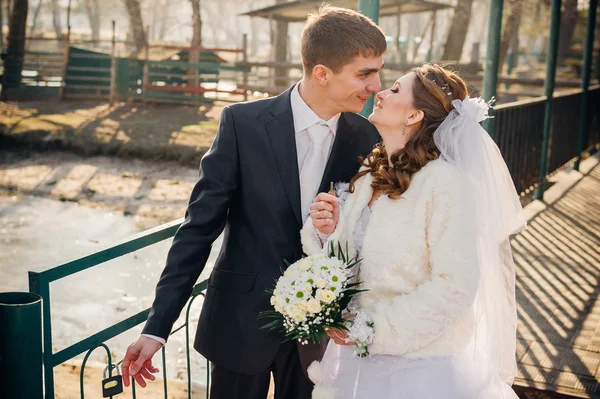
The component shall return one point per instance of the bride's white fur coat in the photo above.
(419, 262)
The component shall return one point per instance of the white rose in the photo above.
(314, 306)
(328, 296)
(304, 264)
(321, 283)
(308, 287)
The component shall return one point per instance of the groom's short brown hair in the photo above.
(335, 36)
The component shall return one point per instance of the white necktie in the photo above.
(313, 167)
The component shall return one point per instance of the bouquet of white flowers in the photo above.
(311, 295)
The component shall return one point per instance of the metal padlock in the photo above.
(112, 385)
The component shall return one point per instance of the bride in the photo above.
(429, 214)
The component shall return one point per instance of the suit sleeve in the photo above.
(409, 322)
(204, 221)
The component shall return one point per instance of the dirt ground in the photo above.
(146, 131)
(67, 385)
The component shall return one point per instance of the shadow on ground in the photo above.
(147, 131)
(558, 271)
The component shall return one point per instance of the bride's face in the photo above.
(350, 88)
(394, 106)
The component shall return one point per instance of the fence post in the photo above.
(370, 9)
(490, 70)
(21, 345)
(113, 66)
(585, 82)
(40, 286)
(549, 92)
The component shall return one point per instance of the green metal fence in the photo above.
(39, 283)
(519, 134)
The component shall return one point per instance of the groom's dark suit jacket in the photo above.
(248, 186)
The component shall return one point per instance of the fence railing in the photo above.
(39, 283)
(519, 132)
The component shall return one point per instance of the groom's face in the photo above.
(351, 87)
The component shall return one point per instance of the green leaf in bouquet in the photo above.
(275, 325)
(352, 264)
(352, 292)
(352, 285)
(341, 254)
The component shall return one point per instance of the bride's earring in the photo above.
(404, 129)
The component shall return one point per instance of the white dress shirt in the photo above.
(304, 117)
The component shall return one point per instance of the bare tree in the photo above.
(136, 24)
(36, 15)
(458, 31)
(56, 18)
(281, 42)
(567, 28)
(13, 61)
(92, 9)
(510, 29)
(1, 25)
(196, 23)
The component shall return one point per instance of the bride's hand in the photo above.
(325, 213)
(338, 336)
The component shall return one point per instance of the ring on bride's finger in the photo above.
(318, 214)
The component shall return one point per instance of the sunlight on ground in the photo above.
(71, 185)
(116, 186)
(24, 179)
(171, 190)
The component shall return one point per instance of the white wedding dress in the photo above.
(439, 273)
(343, 375)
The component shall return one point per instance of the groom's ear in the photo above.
(416, 117)
(321, 74)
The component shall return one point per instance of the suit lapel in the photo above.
(343, 154)
(280, 130)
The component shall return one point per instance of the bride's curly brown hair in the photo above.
(434, 89)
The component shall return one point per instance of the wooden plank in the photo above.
(90, 56)
(89, 79)
(84, 96)
(184, 64)
(86, 87)
(189, 89)
(214, 50)
(89, 69)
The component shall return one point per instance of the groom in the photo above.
(267, 163)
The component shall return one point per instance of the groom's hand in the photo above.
(138, 361)
(325, 213)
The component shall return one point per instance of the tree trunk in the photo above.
(281, 42)
(458, 31)
(13, 61)
(34, 19)
(162, 32)
(194, 54)
(196, 23)
(254, 32)
(1, 25)
(92, 9)
(136, 24)
(567, 28)
(512, 21)
(56, 18)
